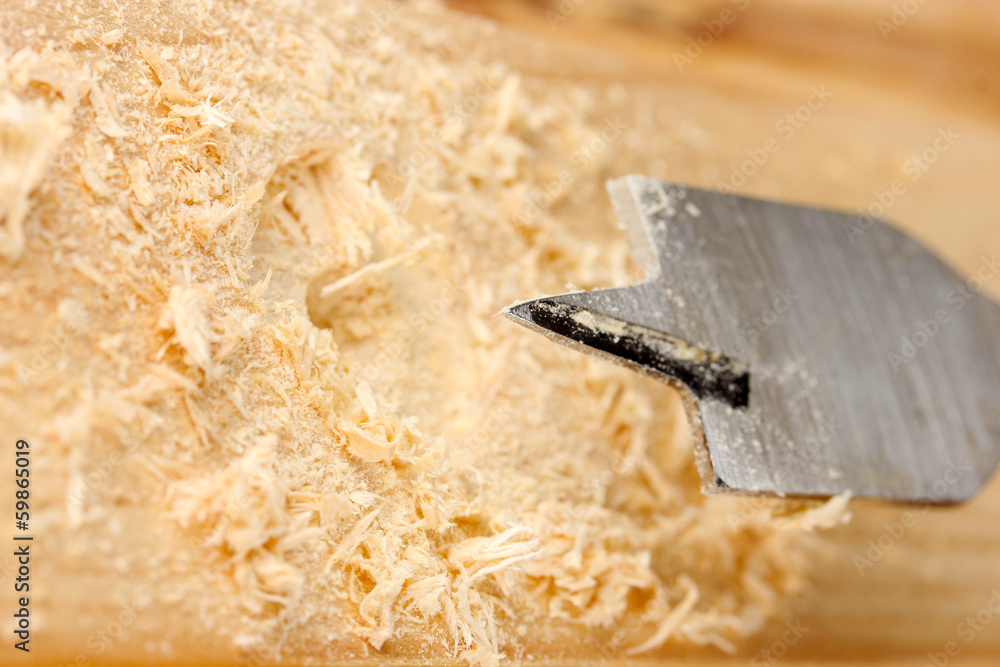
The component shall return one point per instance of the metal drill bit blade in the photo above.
(821, 352)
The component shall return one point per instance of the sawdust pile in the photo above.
(251, 259)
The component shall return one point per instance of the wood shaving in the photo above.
(251, 259)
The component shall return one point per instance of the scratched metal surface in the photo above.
(816, 306)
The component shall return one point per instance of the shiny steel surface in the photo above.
(872, 368)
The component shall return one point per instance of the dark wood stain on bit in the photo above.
(707, 374)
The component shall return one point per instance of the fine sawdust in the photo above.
(251, 257)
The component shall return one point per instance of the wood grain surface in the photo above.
(899, 585)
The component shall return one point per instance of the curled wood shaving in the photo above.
(285, 232)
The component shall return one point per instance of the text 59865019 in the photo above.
(22, 543)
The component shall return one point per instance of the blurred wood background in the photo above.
(901, 72)
(944, 54)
